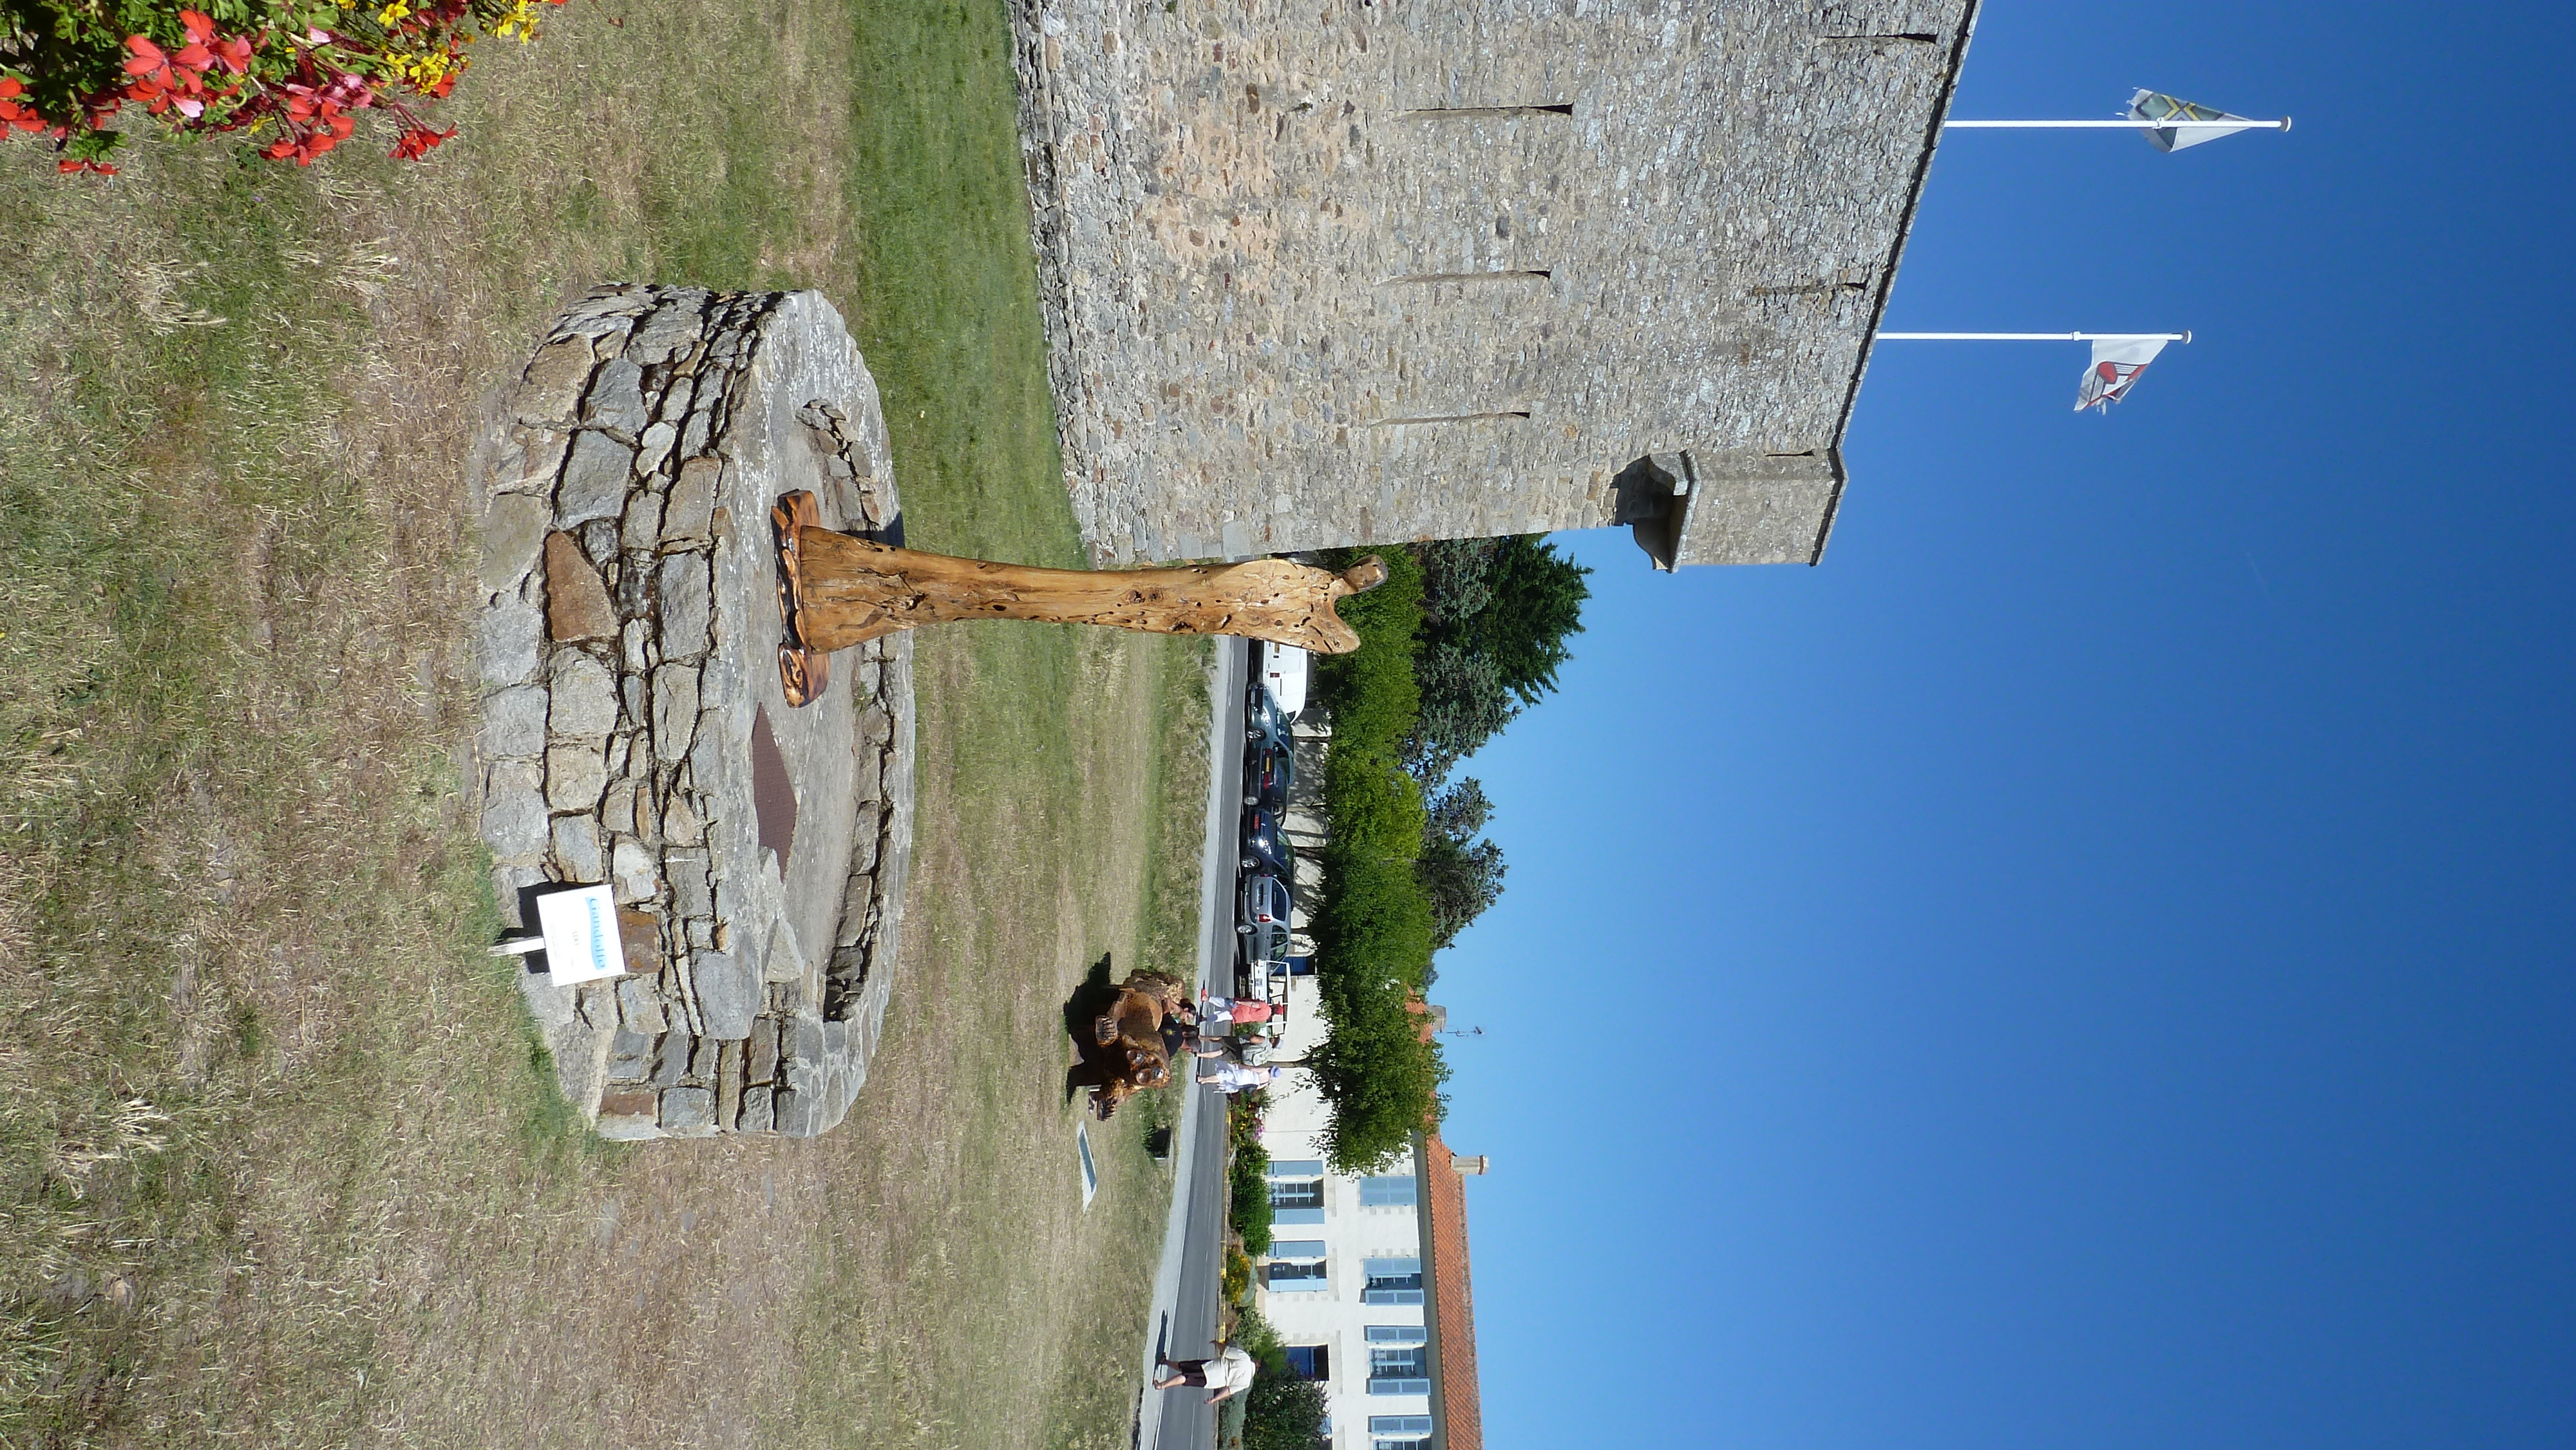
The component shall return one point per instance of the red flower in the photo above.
(199, 26)
(16, 114)
(417, 141)
(148, 59)
(73, 167)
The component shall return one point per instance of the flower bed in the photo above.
(291, 78)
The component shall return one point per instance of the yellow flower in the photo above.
(519, 24)
(392, 13)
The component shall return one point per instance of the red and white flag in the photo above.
(2117, 362)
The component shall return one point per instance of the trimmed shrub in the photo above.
(1248, 1183)
(1373, 922)
(1374, 698)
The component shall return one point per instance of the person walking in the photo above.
(1237, 1010)
(1228, 1372)
(1234, 1077)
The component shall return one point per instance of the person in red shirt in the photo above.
(1238, 1010)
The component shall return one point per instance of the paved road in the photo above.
(1183, 1325)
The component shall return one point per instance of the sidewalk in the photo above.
(1183, 1322)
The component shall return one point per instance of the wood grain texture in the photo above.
(845, 591)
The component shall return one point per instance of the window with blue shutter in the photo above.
(1309, 1361)
(1392, 1281)
(1296, 1167)
(1296, 1200)
(1392, 1192)
(1399, 1424)
(1295, 1278)
(1418, 1443)
(1398, 1334)
(1399, 1371)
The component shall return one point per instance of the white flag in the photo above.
(2117, 361)
(2157, 106)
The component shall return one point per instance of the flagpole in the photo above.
(2031, 337)
(2282, 124)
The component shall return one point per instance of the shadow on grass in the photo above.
(1095, 1064)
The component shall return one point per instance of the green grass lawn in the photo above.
(276, 1161)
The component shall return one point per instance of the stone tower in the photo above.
(1324, 272)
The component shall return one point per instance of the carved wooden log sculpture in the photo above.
(838, 591)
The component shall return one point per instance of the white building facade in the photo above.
(1354, 1280)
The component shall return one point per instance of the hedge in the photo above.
(1373, 923)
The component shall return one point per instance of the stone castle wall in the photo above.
(1323, 271)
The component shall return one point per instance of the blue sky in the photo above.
(2089, 965)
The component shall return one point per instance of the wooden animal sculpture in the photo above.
(1126, 1055)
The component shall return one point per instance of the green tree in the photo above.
(1457, 579)
(1464, 702)
(1280, 1411)
(1537, 602)
(1375, 1069)
(1460, 812)
(1461, 873)
(1283, 1412)
(1495, 617)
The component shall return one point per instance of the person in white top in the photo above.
(1234, 1079)
(1229, 1372)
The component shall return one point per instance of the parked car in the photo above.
(1279, 671)
(1263, 726)
(1262, 944)
(1262, 919)
(1265, 845)
(1267, 777)
(1266, 977)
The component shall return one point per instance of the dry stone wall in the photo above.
(1332, 271)
(633, 728)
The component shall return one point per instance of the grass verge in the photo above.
(280, 1161)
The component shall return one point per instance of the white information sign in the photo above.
(580, 928)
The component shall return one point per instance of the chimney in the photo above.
(1460, 1163)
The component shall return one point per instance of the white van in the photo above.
(1280, 671)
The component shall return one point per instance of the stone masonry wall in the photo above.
(1329, 271)
(628, 650)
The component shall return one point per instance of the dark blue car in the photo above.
(1267, 774)
(1265, 846)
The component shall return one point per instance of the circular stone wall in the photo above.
(633, 728)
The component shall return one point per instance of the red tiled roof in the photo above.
(1456, 1406)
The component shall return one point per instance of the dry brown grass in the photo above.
(276, 1160)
